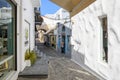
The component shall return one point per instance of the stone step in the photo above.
(39, 69)
(31, 78)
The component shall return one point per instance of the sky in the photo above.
(47, 7)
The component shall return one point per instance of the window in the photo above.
(104, 38)
(7, 38)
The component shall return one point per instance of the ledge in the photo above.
(5, 58)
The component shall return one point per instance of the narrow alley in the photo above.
(59, 39)
(62, 68)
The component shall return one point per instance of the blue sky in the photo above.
(47, 7)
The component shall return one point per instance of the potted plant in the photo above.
(30, 57)
(27, 58)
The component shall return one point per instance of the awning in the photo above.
(43, 27)
(73, 6)
(46, 27)
(50, 28)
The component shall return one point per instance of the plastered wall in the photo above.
(86, 38)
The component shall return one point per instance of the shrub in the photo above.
(30, 55)
(33, 57)
(27, 54)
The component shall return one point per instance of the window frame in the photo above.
(14, 33)
(101, 38)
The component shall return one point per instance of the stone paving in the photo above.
(40, 68)
(62, 68)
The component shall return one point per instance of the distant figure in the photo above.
(62, 47)
(45, 40)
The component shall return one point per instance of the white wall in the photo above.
(18, 35)
(36, 3)
(27, 15)
(86, 38)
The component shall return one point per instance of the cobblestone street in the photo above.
(62, 68)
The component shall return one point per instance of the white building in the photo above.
(5, 15)
(63, 32)
(91, 47)
(5, 12)
(55, 23)
(12, 53)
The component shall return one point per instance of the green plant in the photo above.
(27, 54)
(30, 55)
(33, 57)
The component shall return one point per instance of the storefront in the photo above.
(16, 35)
(7, 38)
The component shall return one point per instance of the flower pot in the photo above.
(28, 62)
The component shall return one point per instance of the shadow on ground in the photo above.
(60, 67)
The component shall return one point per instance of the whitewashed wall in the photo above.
(25, 11)
(27, 15)
(86, 38)
(36, 3)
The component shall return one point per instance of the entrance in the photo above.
(63, 44)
